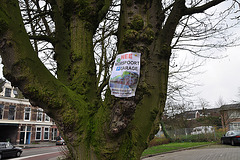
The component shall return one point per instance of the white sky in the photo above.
(221, 78)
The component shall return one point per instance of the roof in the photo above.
(190, 114)
(230, 106)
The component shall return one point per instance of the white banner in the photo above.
(125, 74)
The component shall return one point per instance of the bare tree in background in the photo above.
(220, 102)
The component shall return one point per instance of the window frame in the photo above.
(1, 111)
(39, 112)
(45, 118)
(8, 91)
(38, 132)
(46, 132)
(14, 114)
(54, 134)
(29, 112)
(233, 114)
(234, 126)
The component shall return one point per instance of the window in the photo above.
(47, 118)
(1, 111)
(11, 113)
(27, 114)
(234, 114)
(8, 92)
(39, 115)
(15, 92)
(25, 134)
(38, 133)
(234, 126)
(54, 133)
(46, 133)
(29, 128)
(22, 128)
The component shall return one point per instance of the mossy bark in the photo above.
(113, 129)
(71, 100)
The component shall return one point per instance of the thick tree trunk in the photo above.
(139, 32)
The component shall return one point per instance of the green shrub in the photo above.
(198, 138)
(158, 141)
(215, 136)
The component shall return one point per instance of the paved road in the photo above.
(44, 156)
(42, 153)
(218, 153)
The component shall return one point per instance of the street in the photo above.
(218, 152)
(42, 153)
(212, 152)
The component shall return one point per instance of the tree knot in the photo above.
(122, 114)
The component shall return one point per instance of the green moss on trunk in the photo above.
(71, 100)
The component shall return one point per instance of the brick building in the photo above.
(230, 115)
(21, 123)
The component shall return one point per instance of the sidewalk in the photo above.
(210, 152)
(201, 154)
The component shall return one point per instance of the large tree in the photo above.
(94, 126)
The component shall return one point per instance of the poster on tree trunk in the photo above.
(125, 74)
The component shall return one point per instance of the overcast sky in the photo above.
(221, 78)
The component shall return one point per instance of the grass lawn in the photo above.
(173, 146)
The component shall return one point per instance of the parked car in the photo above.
(202, 130)
(8, 150)
(60, 141)
(231, 137)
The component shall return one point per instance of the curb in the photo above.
(177, 150)
(34, 145)
(57, 158)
